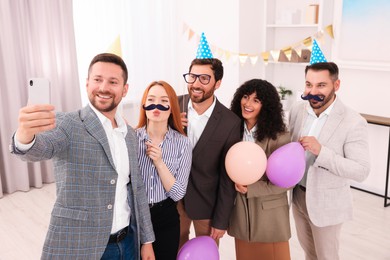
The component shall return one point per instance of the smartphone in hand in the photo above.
(38, 91)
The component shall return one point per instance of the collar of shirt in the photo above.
(207, 113)
(327, 111)
(122, 127)
(249, 135)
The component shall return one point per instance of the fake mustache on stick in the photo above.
(310, 96)
(154, 106)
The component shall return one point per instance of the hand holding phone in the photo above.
(39, 118)
(38, 91)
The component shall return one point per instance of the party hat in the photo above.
(316, 54)
(115, 47)
(204, 51)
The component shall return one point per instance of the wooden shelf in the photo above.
(292, 25)
(304, 64)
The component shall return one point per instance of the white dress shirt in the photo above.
(312, 127)
(119, 152)
(197, 123)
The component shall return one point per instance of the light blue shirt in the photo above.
(249, 135)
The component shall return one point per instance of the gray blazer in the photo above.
(344, 156)
(85, 174)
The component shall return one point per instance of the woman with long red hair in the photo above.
(165, 155)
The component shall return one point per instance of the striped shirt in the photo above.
(177, 156)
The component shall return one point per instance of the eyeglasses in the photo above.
(191, 78)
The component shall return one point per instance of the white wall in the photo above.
(364, 88)
(251, 41)
(365, 84)
(237, 26)
(219, 20)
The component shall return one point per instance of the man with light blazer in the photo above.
(335, 140)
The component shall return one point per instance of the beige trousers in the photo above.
(320, 243)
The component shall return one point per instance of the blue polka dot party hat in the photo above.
(204, 51)
(316, 54)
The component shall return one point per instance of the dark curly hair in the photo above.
(270, 119)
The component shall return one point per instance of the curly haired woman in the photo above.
(260, 220)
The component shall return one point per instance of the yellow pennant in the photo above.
(329, 30)
(115, 47)
(265, 56)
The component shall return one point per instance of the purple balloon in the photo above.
(286, 165)
(199, 248)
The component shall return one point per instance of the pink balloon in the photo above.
(199, 248)
(245, 162)
(286, 165)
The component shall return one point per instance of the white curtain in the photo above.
(36, 40)
(148, 30)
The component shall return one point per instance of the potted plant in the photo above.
(284, 92)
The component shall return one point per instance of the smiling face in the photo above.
(105, 87)
(321, 83)
(250, 109)
(199, 92)
(158, 95)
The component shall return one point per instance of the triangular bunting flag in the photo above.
(115, 47)
(242, 58)
(275, 55)
(190, 34)
(329, 30)
(253, 59)
(265, 56)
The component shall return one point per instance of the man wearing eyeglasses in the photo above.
(212, 129)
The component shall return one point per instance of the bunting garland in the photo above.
(296, 52)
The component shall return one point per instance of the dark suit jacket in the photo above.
(210, 192)
(81, 220)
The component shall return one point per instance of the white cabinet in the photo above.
(287, 24)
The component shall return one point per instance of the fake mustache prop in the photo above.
(310, 96)
(154, 106)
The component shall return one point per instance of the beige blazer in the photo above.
(343, 157)
(262, 214)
